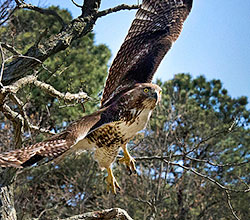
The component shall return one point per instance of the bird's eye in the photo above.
(145, 90)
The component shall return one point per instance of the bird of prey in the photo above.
(128, 98)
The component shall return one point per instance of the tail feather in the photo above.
(34, 153)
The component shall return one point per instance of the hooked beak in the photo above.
(157, 96)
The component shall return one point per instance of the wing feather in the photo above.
(53, 147)
(157, 24)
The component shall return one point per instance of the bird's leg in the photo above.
(111, 181)
(128, 160)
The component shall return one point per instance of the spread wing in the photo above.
(157, 24)
(58, 144)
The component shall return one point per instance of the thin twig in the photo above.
(227, 130)
(77, 5)
(218, 165)
(10, 14)
(144, 201)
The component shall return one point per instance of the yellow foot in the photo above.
(112, 184)
(129, 161)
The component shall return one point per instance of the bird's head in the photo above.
(143, 95)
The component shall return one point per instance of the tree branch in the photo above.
(8, 211)
(18, 119)
(114, 213)
(69, 97)
(10, 48)
(158, 157)
(218, 165)
(207, 177)
(31, 79)
(75, 29)
(116, 9)
(40, 10)
(7, 177)
(230, 205)
(192, 170)
(77, 5)
(217, 133)
(5, 14)
(2, 64)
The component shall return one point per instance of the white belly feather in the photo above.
(129, 130)
(106, 155)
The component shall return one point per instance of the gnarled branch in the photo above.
(31, 79)
(75, 29)
(114, 213)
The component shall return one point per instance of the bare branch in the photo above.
(17, 118)
(10, 48)
(218, 165)
(220, 132)
(158, 157)
(165, 159)
(15, 87)
(41, 10)
(69, 97)
(116, 9)
(230, 205)
(18, 55)
(90, 7)
(6, 11)
(8, 209)
(207, 177)
(104, 214)
(78, 97)
(144, 201)
(2, 64)
(77, 5)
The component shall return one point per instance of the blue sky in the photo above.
(215, 41)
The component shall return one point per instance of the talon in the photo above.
(129, 161)
(129, 170)
(133, 166)
(112, 184)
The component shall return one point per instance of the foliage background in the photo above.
(197, 127)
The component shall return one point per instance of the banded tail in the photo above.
(29, 155)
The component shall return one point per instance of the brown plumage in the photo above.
(104, 131)
(157, 24)
(128, 98)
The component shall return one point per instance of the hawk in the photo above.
(128, 99)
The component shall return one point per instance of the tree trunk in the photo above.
(7, 208)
